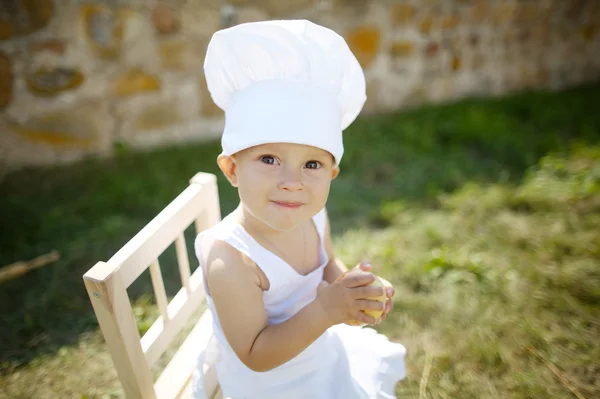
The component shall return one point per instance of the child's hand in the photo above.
(366, 266)
(343, 300)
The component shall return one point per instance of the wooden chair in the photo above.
(107, 283)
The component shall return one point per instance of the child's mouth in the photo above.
(287, 204)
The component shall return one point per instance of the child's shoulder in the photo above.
(210, 247)
(223, 262)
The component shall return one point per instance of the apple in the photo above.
(376, 314)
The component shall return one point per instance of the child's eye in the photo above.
(268, 159)
(313, 165)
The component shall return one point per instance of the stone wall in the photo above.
(78, 77)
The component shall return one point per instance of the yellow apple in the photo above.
(376, 314)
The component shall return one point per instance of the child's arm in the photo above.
(336, 267)
(235, 286)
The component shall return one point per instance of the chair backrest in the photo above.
(107, 284)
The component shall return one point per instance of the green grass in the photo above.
(485, 214)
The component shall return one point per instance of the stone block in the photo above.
(208, 107)
(589, 31)
(158, 116)
(239, 3)
(454, 43)
(55, 46)
(251, 14)
(199, 20)
(135, 81)
(524, 34)
(527, 12)
(364, 41)
(478, 12)
(50, 81)
(510, 57)
(402, 14)
(508, 38)
(102, 30)
(432, 49)
(6, 80)
(474, 39)
(503, 13)
(7, 30)
(279, 8)
(139, 48)
(455, 63)
(477, 61)
(182, 55)
(450, 22)
(353, 9)
(402, 48)
(432, 69)
(22, 17)
(84, 127)
(542, 76)
(371, 105)
(165, 18)
(161, 117)
(59, 136)
(426, 25)
(40, 12)
(539, 35)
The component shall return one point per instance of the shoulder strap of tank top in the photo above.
(236, 236)
(202, 244)
(320, 220)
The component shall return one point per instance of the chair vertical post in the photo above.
(110, 301)
(183, 262)
(212, 215)
(159, 290)
(214, 210)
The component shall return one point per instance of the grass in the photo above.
(485, 214)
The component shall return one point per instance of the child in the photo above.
(283, 306)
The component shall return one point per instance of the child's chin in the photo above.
(287, 223)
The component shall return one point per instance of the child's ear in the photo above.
(228, 167)
(335, 172)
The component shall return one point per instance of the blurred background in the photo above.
(471, 179)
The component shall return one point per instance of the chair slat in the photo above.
(159, 290)
(211, 384)
(200, 222)
(160, 335)
(218, 394)
(183, 262)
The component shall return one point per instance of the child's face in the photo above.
(281, 184)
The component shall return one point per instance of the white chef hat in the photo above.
(284, 82)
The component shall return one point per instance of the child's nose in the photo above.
(290, 180)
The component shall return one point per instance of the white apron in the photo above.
(344, 363)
